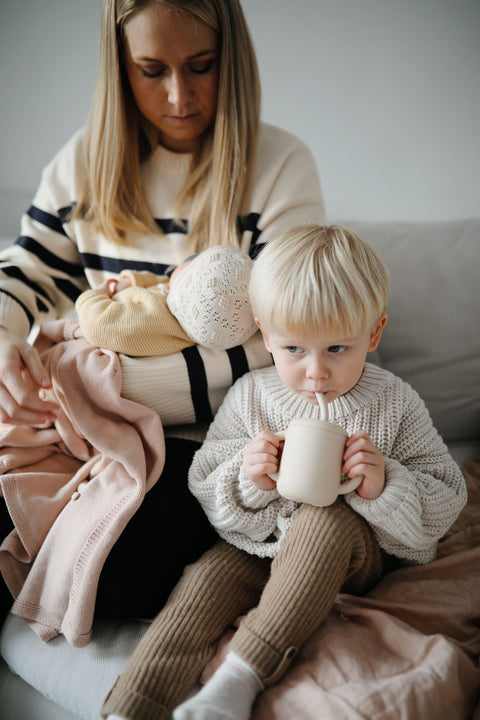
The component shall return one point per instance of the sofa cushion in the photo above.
(432, 339)
(77, 679)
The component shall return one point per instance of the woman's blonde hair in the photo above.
(318, 278)
(118, 137)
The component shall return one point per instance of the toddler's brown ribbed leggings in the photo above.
(324, 551)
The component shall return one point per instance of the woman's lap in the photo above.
(6, 526)
(168, 532)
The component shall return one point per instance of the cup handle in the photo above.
(281, 436)
(349, 485)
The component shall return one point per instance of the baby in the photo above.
(204, 301)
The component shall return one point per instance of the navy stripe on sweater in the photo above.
(53, 222)
(238, 362)
(27, 312)
(116, 265)
(198, 384)
(67, 288)
(17, 274)
(170, 226)
(48, 258)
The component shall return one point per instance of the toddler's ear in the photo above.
(376, 333)
(266, 340)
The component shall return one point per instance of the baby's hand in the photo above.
(362, 457)
(260, 458)
(110, 286)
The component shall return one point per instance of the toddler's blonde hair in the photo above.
(318, 278)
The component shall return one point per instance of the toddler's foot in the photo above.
(228, 695)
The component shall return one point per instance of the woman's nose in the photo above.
(178, 91)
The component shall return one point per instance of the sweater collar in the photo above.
(368, 387)
(178, 163)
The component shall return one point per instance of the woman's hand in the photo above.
(22, 377)
(362, 457)
(260, 458)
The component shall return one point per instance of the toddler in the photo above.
(319, 295)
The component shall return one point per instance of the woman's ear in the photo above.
(376, 333)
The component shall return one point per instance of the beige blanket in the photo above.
(409, 650)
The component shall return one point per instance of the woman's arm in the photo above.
(42, 274)
(40, 278)
(286, 189)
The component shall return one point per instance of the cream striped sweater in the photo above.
(424, 490)
(55, 259)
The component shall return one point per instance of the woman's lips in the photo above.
(182, 119)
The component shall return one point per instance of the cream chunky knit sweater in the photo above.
(424, 489)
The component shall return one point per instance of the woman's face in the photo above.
(172, 63)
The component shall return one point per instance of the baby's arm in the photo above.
(131, 316)
(112, 286)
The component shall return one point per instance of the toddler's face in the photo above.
(328, 364)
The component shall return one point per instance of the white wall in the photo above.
(385, 92)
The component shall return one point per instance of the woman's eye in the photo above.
(336, 349)
(201, 68)
(151, 73)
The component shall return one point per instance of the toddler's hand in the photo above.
(260, 458)
(362, 457)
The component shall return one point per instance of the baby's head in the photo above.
(209, 298)
(318, 278)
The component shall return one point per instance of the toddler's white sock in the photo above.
(228, 695)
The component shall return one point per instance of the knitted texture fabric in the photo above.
(136, 321)
(326, 549)
(210, 298)
(285, 192)
(424, 488)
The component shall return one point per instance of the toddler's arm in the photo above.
(424, 488)
(241, 511)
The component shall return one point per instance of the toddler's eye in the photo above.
(294, 349)
(336, 349)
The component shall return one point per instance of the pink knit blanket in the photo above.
(72, 488)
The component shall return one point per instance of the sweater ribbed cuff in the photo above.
(126, 703)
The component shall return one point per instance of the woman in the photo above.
(173, 160)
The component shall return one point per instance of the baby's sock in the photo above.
(228, 695)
